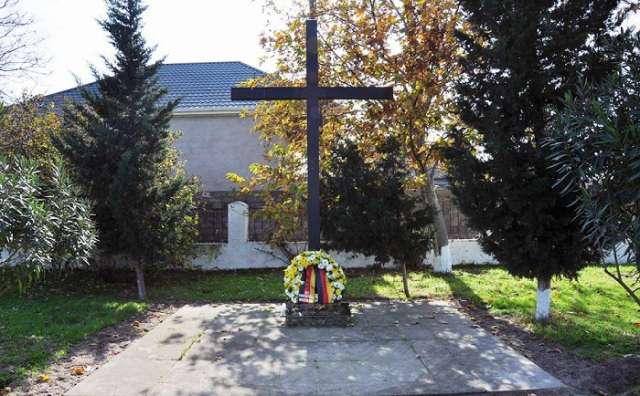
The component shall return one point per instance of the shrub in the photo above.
(595, 149)
(43, 222)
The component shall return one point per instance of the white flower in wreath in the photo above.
(338, 285)
(329, 267)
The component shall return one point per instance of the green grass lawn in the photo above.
(35, 329)
(593, 316)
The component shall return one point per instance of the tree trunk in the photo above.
(142, 289)
(405, 281)
(543, 300)
(442, 253)
(617, 276)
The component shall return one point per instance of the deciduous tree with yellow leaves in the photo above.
(407, 44)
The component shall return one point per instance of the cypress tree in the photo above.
(368, 209)
(520, 57)
(121, 147)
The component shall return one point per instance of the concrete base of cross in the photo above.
(318, 315)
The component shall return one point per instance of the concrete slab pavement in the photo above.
(394, 348)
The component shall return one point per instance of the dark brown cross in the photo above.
(312, 93)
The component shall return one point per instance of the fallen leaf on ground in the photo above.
(637, 325)
(77, 371)
(136, 323)
(43, 378)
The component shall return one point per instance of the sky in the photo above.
(183, 30)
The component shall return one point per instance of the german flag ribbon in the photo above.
(316, 287)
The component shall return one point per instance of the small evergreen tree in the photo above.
(121, 146)
(520, 57)
(367, 208)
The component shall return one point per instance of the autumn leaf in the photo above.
(43, 378)
(78, 371)
(637, 324)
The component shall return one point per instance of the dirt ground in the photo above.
(619, 376)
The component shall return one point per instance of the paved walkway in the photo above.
(244, 349)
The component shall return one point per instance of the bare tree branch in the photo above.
(18, 44)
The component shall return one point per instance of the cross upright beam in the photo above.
(312, 93)
(314, 120)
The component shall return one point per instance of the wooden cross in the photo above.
(312, 93)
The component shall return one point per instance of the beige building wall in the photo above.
(213, 145)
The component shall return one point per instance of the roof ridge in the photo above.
(84, 85)
(197, 62)
(76, 88)
(210, 63)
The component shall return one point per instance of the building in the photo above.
(216, 139)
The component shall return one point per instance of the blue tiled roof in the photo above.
(201, 86)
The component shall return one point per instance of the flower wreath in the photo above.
(314, 277)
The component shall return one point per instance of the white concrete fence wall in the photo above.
(240, 253)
